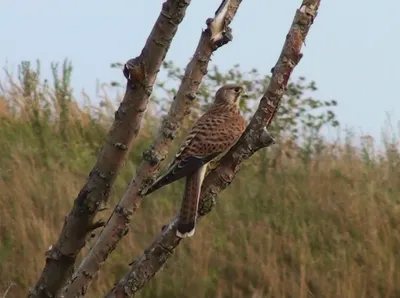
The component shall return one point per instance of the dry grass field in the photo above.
(290, 225)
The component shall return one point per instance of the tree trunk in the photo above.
(141, 74)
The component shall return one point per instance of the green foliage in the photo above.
(299, 112)
(298, 109)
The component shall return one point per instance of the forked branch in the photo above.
(217, 34)
(60, 259)
(253, 139)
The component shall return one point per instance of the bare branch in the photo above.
(253, 139)
(118, 224)
(141, 74)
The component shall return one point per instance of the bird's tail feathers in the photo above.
(186, 229)
(188, 213)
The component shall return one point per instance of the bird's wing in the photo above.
(212, 135)
(190, 202)
(189, 158)
(179, 169)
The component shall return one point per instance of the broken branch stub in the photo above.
(60, 263)
(118, 224)
(218, 26)
(254, 138)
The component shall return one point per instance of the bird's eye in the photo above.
(237, 89)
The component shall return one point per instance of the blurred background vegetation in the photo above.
(309, 217)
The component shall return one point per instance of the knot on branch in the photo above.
(169, 133)
(120, 146)
(152, 156)
(169, 128)
(206, 205)
(134, 70)
(125, 212)
(191, 96)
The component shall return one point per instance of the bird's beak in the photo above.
(243, 95)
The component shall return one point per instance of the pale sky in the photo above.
(352, 48)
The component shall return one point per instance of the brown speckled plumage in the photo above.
(213, 133)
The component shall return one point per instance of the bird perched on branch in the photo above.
(213, 133)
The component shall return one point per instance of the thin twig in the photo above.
(216, 35)
(141, 74)
(253, 139)
(8, 289)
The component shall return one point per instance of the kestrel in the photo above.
(213, 133)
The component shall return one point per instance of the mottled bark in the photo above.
(253, 139)
(217, 34)
(141, 73)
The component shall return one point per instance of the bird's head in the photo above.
(230, 94)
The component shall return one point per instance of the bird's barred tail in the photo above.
(188, 213)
